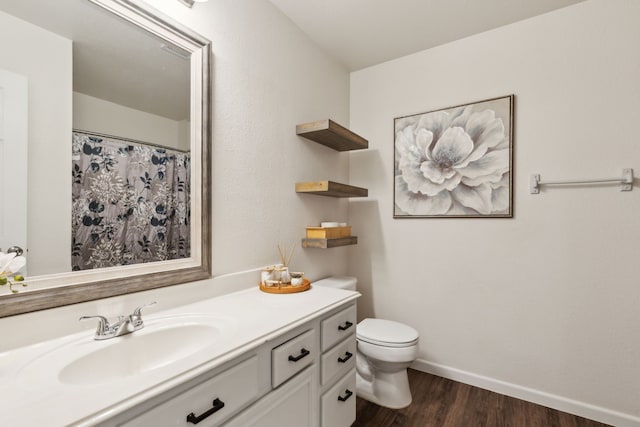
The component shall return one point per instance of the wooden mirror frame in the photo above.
(57, 290)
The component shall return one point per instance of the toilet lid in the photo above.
(386, 333)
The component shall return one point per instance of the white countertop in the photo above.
(32, 395)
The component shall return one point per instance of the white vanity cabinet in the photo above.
(323, 393)
(302, 377)
(266, 360)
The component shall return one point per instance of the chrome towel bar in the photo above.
(626, 182)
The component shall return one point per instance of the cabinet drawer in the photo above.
(229, 391)
(339, 360)
(291, 357)
(339, 403)
(338, 326)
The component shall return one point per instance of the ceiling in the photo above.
(358, 33)
(362, 33)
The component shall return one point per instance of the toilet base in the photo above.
(390, 390)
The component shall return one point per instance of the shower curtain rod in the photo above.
(134, 141)
(626, 182)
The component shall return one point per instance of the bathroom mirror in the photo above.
(115, 70)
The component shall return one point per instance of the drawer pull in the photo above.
(217, 405)
(348, 393)
(303, 352)
(347, 356)
(346, 326)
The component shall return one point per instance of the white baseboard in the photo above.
(560, 403)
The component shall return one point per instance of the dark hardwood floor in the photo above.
(440, 402)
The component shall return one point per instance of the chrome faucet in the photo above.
(125, 324)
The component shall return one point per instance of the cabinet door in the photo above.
(339, 403)
(291, 405)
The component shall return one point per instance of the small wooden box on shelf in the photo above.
(328, 237)
(328, 232)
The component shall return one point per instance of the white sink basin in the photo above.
(161, 343)
(134, 354)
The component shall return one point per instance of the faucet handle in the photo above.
(103, 324)
(137, 313)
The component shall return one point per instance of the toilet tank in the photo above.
(340, 282)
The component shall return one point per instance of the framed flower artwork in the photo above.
(456, 162)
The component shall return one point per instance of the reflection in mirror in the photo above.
(130, 202)
(121, 102)
(128, 191)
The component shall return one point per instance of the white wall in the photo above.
(45, 59)
(184, 134)
(97, 115)
(267, 77)
(544, 305)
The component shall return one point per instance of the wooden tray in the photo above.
(287, 289)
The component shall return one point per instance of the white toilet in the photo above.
(385, 351)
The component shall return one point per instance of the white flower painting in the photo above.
(455, 162)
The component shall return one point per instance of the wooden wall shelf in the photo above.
(331, 189)
(329, 243)
(331, 134)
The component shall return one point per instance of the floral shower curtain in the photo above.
(131, 203)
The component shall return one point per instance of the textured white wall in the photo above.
(548, 300)
(45, 59)
(267, 77)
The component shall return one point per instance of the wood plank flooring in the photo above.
(440, 402)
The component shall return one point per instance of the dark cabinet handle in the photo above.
(347, 356)
(217, 405)
(303, 352)
(346, 326)
(348, 393)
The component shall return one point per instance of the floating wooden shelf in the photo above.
(329, 243)
(331, 189)
(329, 133)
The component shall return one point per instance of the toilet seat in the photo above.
(386, 333)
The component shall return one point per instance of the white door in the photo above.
(13, 160)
